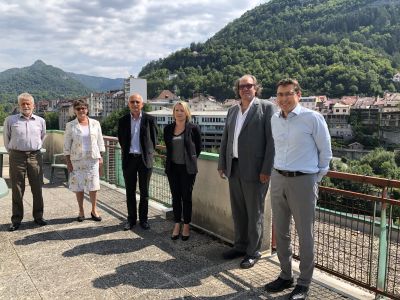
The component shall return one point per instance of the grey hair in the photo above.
(257, 85)
(25, 96)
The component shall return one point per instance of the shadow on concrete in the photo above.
(24, 226)
(68, 234)
(107, 247)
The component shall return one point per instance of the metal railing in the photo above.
(357, 232)
(112, 171)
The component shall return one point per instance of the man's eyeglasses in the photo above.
(287, 94)
(134, 102)
(246, 86)
(80, 108)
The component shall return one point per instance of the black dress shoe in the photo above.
(249, 261)
(233, 253)
(80, 218)
(41, 222)
(97, 219)
(174, 237)
(279, 285)
(145, 225)
(128, 226)
(185, 237)
(300, 292)
(14, 226)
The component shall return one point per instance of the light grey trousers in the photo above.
(297, 197)
(247, 203)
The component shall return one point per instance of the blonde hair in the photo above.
(185, 109)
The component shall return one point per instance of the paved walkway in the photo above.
(91, 260)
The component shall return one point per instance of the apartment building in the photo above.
(203, 103)
(211, 123)
(165, 100)
(112, 101)
(65, 113)
(95, 102)
(135, 85)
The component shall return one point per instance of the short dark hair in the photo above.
(257, 86)
(288, 81)
(80, 102)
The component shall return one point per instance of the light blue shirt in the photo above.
(302, 142)
(24, 134)
(135, 135)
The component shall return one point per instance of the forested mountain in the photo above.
(99, 84)
(48, 82)
(334, 47)
(41, 80)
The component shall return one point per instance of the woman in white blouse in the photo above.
(83, 144)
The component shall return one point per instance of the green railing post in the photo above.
(383, 242)
(118, 166)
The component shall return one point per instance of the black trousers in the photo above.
(135, 168)
(181, 185)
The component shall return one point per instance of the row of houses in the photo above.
(381, 115)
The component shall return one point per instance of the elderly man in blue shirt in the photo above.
(23, 138)
(302, 156)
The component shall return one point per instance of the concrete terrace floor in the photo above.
(92, 260)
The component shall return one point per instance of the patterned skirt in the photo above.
(85, 175)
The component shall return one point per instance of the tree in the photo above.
(109, 125)
(51, 119)
(3, 115)
(397, 158)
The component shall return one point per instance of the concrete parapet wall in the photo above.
(53, 143)
(211, 204)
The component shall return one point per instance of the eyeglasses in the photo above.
(80, 108)
(246, 86)
(287, 94)
(135, 102)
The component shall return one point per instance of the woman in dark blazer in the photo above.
(183, 142)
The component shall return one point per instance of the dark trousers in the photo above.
(134, 168)
(181, 185)
(22, 164)
(247, 203)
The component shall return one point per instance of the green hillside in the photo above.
(334, 47)
(41, 80)
(99, 84)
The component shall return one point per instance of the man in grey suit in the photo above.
(246, 158)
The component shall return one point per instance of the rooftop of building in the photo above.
(93, 260)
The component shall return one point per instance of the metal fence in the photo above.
(357, 232)
(112, 171)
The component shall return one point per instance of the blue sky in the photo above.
(107, 38)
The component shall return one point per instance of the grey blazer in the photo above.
(255, 145)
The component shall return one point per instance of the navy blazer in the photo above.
(192, 140)
(148, 138)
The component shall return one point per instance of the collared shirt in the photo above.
(302, 142)
(241, 117)
(135, 135)
(24, 134)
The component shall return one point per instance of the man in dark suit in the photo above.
(137, 135)
(246, 157)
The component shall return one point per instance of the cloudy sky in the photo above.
(107, 38)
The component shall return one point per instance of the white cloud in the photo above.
(107, 38)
